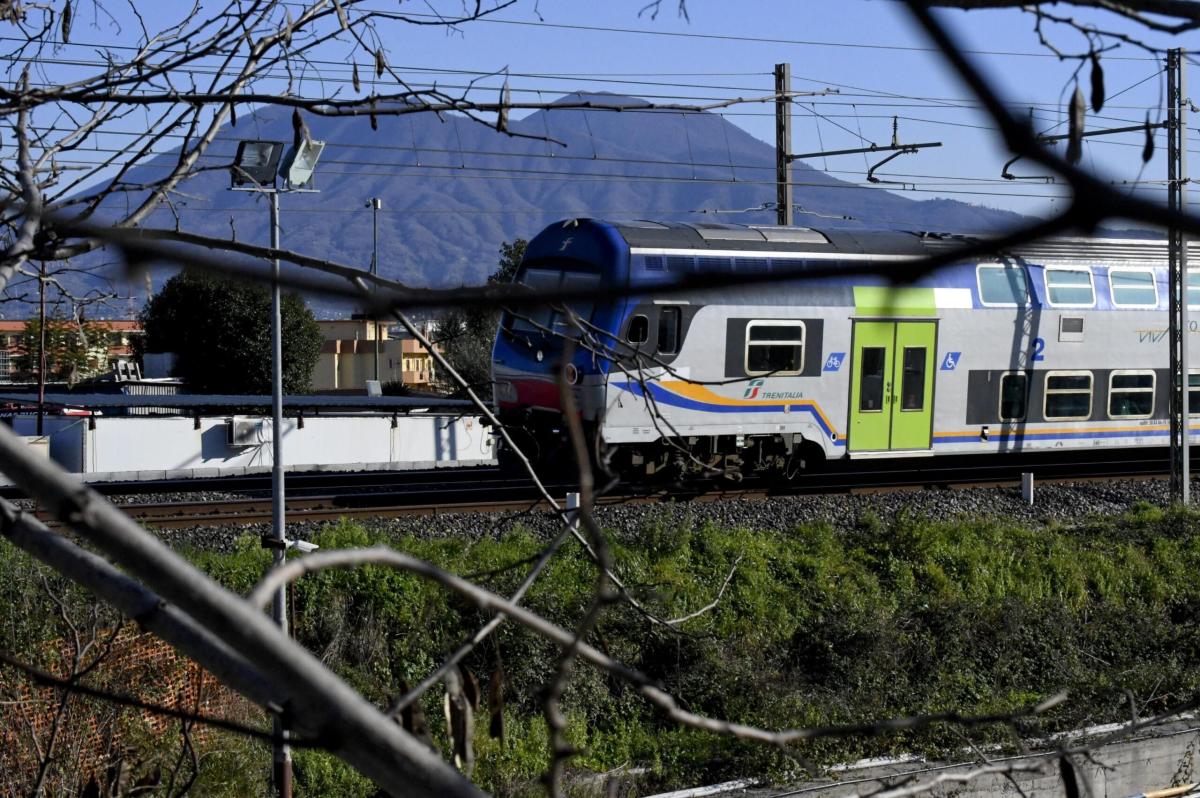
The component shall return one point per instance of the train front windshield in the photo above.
(551, 318)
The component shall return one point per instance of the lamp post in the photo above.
(255, 168)
(375, 204)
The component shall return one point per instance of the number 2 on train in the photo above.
(1039, 349)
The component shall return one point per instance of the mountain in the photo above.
(454, 189)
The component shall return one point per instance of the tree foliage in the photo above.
(220, 332)
(466, 335)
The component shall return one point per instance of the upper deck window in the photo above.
(1193, 289)
(1002, 285)
(1133, 288)
(1070, 287)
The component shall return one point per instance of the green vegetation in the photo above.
(466, 335)
(818, 626)
(220, 332)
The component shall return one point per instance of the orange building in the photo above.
(118, 344)
(348, 357)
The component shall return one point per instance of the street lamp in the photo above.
(256, 163)
(255, 168)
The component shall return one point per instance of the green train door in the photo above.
(891, 388)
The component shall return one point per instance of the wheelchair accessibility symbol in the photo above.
(950, 362)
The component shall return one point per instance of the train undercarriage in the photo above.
(545, 441)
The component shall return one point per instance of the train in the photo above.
(1059, 344)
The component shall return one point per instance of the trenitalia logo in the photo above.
(754, 390)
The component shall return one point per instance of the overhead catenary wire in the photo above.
(930, 105)
(465, 171)
(470, 173)
(845, 89)
(651, 32)
(740, 38)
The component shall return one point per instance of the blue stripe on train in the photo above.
(1053, 436)
(663, 396)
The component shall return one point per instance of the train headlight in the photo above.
(505, 392)
(571, 374)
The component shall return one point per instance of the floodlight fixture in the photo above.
(303, 546)
(301, 160)
(256, 163)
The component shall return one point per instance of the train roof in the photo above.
(701, 236)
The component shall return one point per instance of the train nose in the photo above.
(532, 393)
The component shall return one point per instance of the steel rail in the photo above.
(516, 496)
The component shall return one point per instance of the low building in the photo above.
(119, 343)
(348, 357)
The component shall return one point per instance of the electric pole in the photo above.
(1178, 332)
(783, 144)
(41, 349)
(376, 203)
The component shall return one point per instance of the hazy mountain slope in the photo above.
(453, 189)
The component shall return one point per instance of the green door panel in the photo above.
(891, 385)
(912, 399)
(871, 385)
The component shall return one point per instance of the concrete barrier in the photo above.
(1140, 765)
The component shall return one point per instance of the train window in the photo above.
(1002, 285)
(1068, 395)
(872, 362)
(639, 330)
(538, 318)
(1014, 396)
(1133, 288)
(551, 317)
(1193, 289)
(581, 283)
(668, 331)
(1070, 287)
(912, 383)
(774, 347)
(1131, 394)
(1194, 394)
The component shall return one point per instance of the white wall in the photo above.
(172, 446)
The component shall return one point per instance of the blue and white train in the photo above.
(1061, 344)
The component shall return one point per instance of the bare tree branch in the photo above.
(321, 706)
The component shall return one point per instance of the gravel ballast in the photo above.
(1054, 503)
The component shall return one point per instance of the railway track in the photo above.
(488, 491)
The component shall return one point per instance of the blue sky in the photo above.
(860, 47)
(867, 49)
